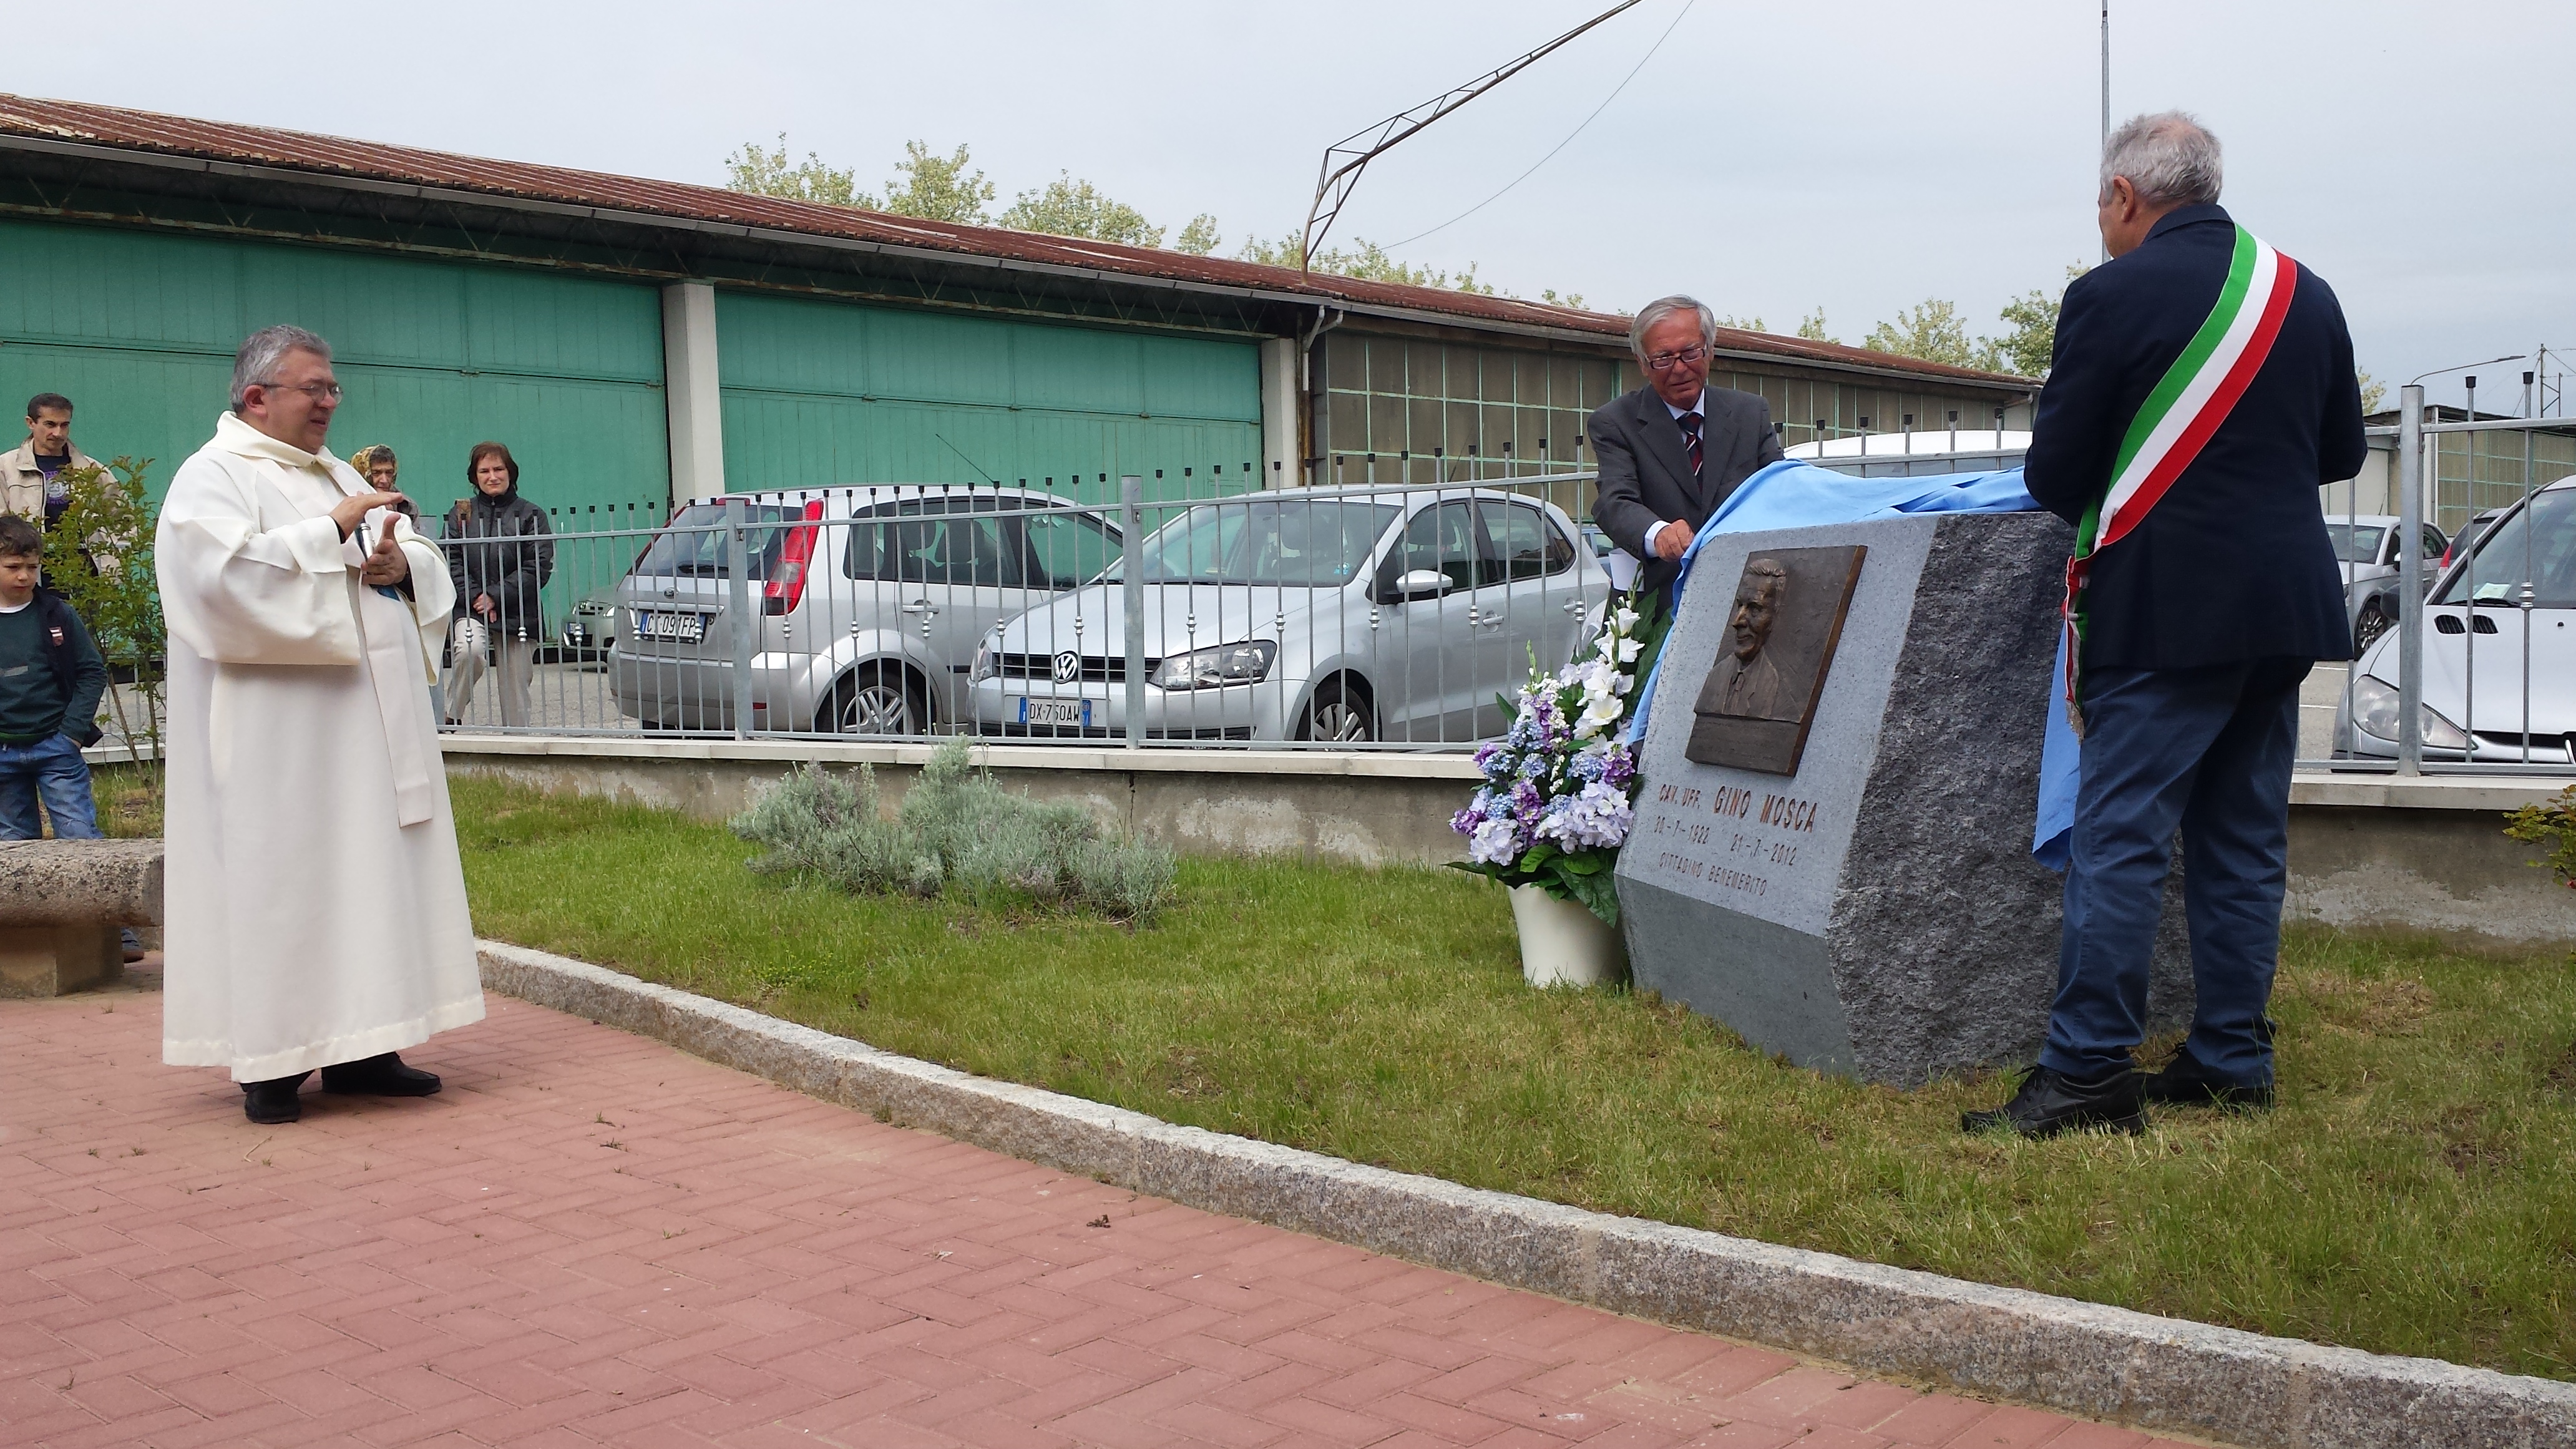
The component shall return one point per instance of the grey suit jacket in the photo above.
(1646, 475)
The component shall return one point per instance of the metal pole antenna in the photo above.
(2410, 580)
(1345, 158)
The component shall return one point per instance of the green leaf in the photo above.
(1592, 889)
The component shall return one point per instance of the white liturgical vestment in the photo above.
(313, 903)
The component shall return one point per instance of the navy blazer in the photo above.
(1645, 465)
(2234, 563)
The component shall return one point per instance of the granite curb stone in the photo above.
(2080, 1358)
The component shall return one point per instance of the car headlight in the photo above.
(2375, 710)
(984, 667)
(1245, 663)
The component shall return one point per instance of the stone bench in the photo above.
(61, 904)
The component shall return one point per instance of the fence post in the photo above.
(2410, 580)
(1131, 554)
(746, 624)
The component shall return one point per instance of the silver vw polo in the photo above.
(1317, 614)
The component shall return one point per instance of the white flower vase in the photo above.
(1563, 943)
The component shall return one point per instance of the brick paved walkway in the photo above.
(591, 1238)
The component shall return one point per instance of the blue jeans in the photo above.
(2208, 752)
(51, 770)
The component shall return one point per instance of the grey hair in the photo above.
(264, 351)
(1663, 307)
(2170, 159)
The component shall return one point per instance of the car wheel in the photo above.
(878, 701)
(2366, 630)
(1338, 713)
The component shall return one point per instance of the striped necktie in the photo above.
(1690, 434)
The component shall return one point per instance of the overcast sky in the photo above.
(1857, 156)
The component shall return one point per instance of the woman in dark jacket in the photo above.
(501, 552)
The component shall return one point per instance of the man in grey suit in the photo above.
(1670, 452)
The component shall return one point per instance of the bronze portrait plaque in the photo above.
(1781, 631)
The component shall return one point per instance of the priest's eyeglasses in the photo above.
(328, 392)
(1663, 361)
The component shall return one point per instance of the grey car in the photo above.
(869, 603)
(2367, 548)
(2499, 632)
(1323, 615)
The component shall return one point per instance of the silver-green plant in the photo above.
(958, 833)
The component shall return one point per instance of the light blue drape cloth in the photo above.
(1792, 494)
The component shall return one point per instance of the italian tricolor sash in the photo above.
(2195, 395)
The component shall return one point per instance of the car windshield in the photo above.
(2536, 545)
(704, 555)
(1310, 542)
(2356, 542)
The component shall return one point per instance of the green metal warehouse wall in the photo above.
(139, 329)
(825, 392)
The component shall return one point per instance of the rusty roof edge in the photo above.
(508, 201)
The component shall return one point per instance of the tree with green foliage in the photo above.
(98, 556)
(2032, 342)
(1812, 328)
(1198, 238)
(2374, 393)
(766, 173)
(1066, 207)
(925, 184)
(1744, 324)
(937, 188)
(1930, 331)
(1369, 263)
(1570, 299)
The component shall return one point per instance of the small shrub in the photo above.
(2551, 825)
(958, 833)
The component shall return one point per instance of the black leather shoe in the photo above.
(2050, 1102)
(379, 1076)
(2186, 1083)
(274, 1101)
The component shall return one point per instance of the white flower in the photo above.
(1629, 649)
(1494, 842)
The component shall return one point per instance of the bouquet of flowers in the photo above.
(1560, 789)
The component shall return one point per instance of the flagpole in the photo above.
(2106, 97)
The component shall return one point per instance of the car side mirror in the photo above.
(1422, 584)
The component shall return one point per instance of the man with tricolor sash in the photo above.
(2202, 388)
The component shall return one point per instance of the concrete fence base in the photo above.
(2365, 851)
(2078, 1358)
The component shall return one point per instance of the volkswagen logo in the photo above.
(1068, 667)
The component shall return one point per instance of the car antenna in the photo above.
(971, 463)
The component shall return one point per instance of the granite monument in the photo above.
(1832, 853)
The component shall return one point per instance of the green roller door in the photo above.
(139, 329)
(819, 393)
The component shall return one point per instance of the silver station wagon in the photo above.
(868, 604)
(1310, 614)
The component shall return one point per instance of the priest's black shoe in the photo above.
(2187, 1083)
(274, 1101)
(2051, 1102)
(379, 1076)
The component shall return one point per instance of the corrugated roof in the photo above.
(118, 127)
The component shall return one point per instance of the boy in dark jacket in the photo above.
(51, 677)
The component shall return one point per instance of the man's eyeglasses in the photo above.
(1663, 361)
(328, 392)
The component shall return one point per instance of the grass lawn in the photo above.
(2413, 1193)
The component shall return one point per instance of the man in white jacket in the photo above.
(314, 902)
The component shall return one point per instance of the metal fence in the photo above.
(1387, 616)
(1381, 613)
(2475, 671)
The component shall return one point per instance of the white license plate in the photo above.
(1076, 712)
(686, 628)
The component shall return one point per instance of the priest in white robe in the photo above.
(314, 903)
